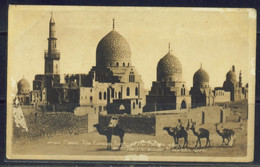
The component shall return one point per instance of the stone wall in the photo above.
(49, 124)
(143, 124)
(200, 115)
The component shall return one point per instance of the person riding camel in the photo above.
(179, 125)
(113, 122)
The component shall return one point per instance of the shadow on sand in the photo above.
(104, 149)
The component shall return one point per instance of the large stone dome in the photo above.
(113, 50)
(231, 76)
(23, 86)
(169, 68)
(200, 77)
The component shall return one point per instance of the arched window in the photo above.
(128, 64)
(183, 91)
(133, 105)
(140, 105)
(105, 95)
(116, 63)
(119, 95)
(136, 91)
(123, 64)
(115, 94)
(100, 96)
(112, 93)
(131, 78)
(128, 91)
(170, 79)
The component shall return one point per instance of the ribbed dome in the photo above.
(168, 66)
(200, 76)
(23, 86)
(231, 76)
(113, 48)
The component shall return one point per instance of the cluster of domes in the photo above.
(169, 68)
(113, 50)
(200, 77)
(23, 86)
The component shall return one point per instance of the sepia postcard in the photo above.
(131, 83)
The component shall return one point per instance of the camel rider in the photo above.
(179, 125)
(113, 122)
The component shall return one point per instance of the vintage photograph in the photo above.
(131, 83)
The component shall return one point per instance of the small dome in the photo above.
(200, 76)
(168, 66)
(231, 76)
(113, 48)
(23, 86)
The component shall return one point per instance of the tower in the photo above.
(52, 56)
(240, 79)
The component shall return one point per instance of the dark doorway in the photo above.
(183, 104)
(27, 100)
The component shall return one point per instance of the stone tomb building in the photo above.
(237, 91)
(201, 93)
(23, 93)
(169, 91)
(112, 86)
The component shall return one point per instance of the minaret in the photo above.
(240, 79)
(113, 23)
(52, 56)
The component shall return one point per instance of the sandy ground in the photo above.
(95, 144)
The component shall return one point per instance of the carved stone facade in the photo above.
(237, 91)
(201, 92)
(169, 91)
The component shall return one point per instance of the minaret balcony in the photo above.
(52, 55)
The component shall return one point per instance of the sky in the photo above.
(216, 38)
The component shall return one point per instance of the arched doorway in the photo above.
(121, 109)
(221, 116)
(202, 118)
(183, 104)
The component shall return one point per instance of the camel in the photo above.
(202, 133)
(226, 134)
(108, 132)
(177, 134)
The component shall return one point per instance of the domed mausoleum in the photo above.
(201, 93)
(113, 86)
(23, 87)
(23, 93)
(169, 91)
(237, 91)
